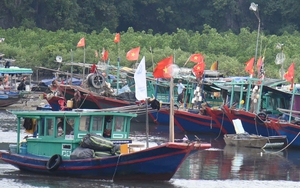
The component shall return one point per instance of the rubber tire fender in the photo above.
(96, 80)
(54, 162)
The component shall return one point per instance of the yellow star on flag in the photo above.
(165, 70)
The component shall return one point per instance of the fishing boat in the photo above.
(253, 101)
(8, 83)
(53, 150)
(244, 139)
(8, 98)
(288, 123)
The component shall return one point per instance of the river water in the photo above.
(218, 167)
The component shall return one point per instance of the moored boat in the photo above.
(51, 148)
(244, 139)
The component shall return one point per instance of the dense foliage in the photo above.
(277, 16)
(37, 47)
(36, 31)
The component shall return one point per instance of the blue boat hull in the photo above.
(290, 130)
(189, 122)
(157, 163)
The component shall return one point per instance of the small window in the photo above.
(50, 127)
(108, 126)
(97, 123)
(84, 123)
(70, 126)
(119, 124)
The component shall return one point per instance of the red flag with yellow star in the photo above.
(117, 38)
(81, 43)
(196, 58)
(198, 69)
(249, 66)
(163, 68)
(289, 75)
(133, 54)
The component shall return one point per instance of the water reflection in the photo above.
(241, 164)
(221, 162)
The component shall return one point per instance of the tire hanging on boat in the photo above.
(54, 162)
(261, 117)
(96, 80)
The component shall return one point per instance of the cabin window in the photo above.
(108, 126)
(97, 123)
(119, 124)
(41, 127)
(50, 127)
(70, 126)
(60, 127)
(84, 123)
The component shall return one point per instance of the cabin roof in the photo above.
(15, 70)
(74, 113)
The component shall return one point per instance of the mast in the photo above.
(171, 124)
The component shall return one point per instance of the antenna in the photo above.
(58, 59)
(280, 57)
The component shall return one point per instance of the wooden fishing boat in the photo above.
(244, 139)
(8, 98)
(52, 151)
(8, 92)
(240, 105)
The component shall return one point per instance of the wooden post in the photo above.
(171, 124)
(147, 125)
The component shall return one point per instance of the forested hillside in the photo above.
(161, 16)
(36, 32)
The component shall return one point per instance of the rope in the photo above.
(221, 124)
(116, 167)
(288, 144)
(255, 120)
(83, 100)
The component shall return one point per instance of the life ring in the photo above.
(96, 80)
(263, 116)
(297, 122)
(54, 162)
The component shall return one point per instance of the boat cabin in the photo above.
(62, 131)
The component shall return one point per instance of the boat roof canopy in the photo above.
(74, 113)
(15, 70)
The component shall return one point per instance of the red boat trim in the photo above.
(185, 148)
(216, 120)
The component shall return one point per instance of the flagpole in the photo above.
(147, 124)
(71, 67)
(187, 61)
(292, 102)
(83, 72)
(118, 73)
(152, 58)
(171, 124)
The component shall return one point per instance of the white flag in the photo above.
(140, 81)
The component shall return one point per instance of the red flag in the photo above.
(215, 66)
(104, 55)
(249, 66)
(163, 68)
(93, 68)
(81, 43)
(198, 69)
(289, 75)
(259, 64)
(197, 58)
(117, 38)
(133, 54)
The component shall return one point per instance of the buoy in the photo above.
(69, 104)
